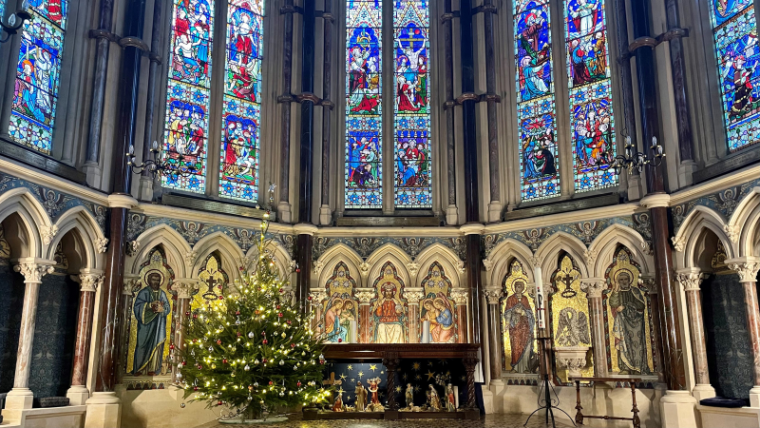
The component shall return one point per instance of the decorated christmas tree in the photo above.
(251, 350)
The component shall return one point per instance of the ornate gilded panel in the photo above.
(341, 305)
(518, 309)
(437, 307)
(389, 322)
(213, 281)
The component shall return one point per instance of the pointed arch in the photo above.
(746, 219)
(450, 263)
(501, 258)
(33, 220)
(548, 254)
(81, 222)
(606, 245)
(172, 243)
(282, 258)
(691, 234)
(231, 254)
(337, 254)
(392, 253)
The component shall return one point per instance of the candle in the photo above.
(540, 320)
(353, 335)
(456, 395)
(426, 331)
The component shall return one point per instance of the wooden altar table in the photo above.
(635, 409)
(391, 356)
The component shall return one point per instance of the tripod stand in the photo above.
(546, 402)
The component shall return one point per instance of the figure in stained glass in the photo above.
(584, 17)
(364, 72)
(363, 160)
(533, 54)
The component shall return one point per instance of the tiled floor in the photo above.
(489, 421)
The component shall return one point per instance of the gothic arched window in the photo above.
(188, 109)
(366, 112)
(735, 33)
(38, 75)
(591, 121)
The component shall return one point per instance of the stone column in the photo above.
(690, 279)
(413, 296)
(594, 288)
(460, 296)
(89, 281)
(493, 296)
(746, 268)
(364, 298)
(33, 269)
(316, 298)
(184, 289)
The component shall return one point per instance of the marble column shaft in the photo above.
(460, 298)
(747, 268)
(316, 299)
(364, 299)
(414, 297)
(33, 273)
(594, 293)
(691, 281)
(89, 284)
(494, 327)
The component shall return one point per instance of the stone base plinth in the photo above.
(78, 395)
(19, 398)
(59, 417)
(702, 391)
(677, 410)
(103, 410)
(754, 396)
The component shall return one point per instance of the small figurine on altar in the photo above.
(451, 403)
(361, 397)
(338, 406)
(409, 396)
(373, 389)
(434, 400)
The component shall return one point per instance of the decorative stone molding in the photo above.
(572, 358)
(131, 282)
(493, 295)
(745, 267)
(101, 245)
(133, 247)
(590, 256)
(121, 200)
(472, 229)
(679, 243)
(535, 262)
(414, 269)
(317, 296)
(364, 271)
(190, 258)
(34, 269)
(733, 232)
(460, 295)
(305, 229)
(414, 295)
(488, 264)
(650, 284)
(365, 296)
(593, 287)
(646, 248)
(690, 279)
(184, 288)
(656, 200)
(48, 233)
(90, 280)
(318, 266)
(461, 267)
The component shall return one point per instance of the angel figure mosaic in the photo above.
(438, 307)
(627, 308)
(151, 321)
(340, 307)
(569, 312)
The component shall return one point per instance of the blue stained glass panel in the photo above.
(536, 117)
(735, 35)
(187, 104)
(363, 165)
(412, 160)
(239, 172)
(591, 115)
(35, 95)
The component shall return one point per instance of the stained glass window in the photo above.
(238, 175)
(411, 104)
(536, 117)
(735, 34)
(364, 166)
(35, 95)
(591, 120)
(187, 104)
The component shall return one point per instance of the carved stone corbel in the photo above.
(184, 287)
(48, 233)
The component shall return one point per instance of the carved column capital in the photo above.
(184, 287)
(414, 295)
(131, 282)
(34, 269)
(493, 295)
(593, 287)
(101, 245)
(460, 295)
(317, 295)
(690, 279)
(650, 283)
(365, 296)
(745, 267)
(318, 266)
(90, 280)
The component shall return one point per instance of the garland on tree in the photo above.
(252, 350)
